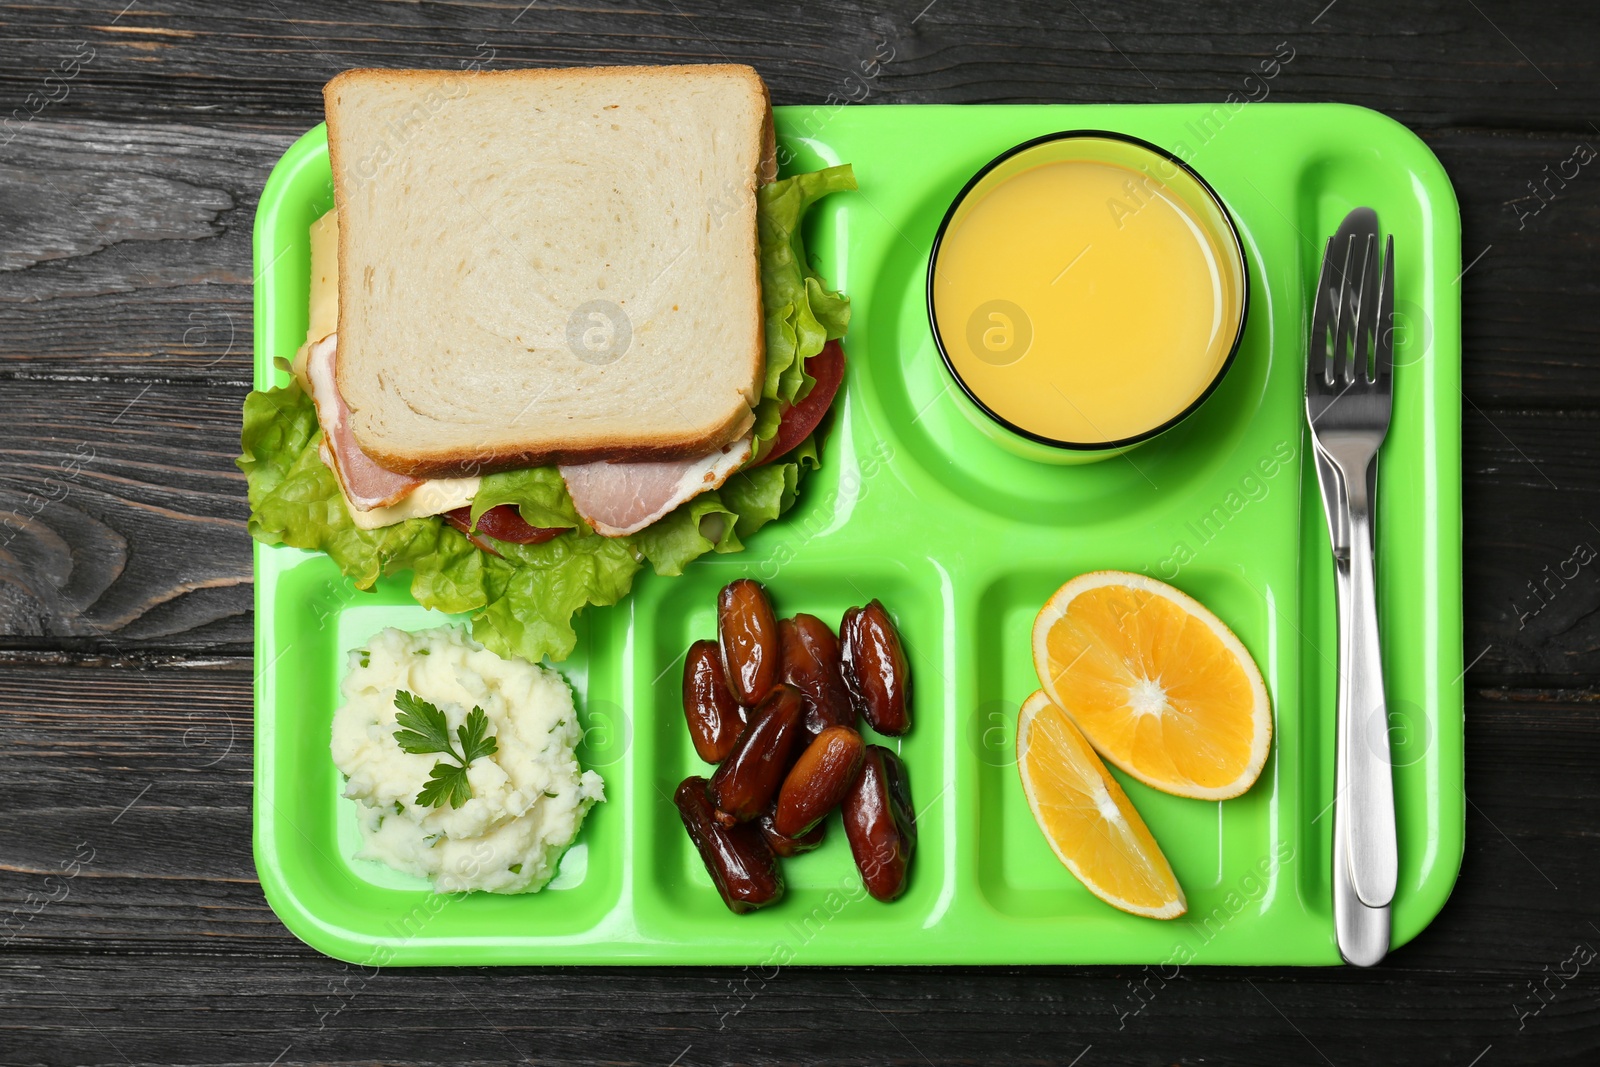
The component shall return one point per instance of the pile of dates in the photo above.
(775, 704)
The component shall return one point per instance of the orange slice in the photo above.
(1156, 682)
(1087, 818)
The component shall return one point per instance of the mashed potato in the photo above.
(528, 798)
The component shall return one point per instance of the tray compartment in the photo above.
(672, 614)
(319, 617)
(1016, 871)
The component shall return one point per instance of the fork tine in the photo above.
(1324, 317)
(1367, 324)
(1345, 320)
(1383, 350)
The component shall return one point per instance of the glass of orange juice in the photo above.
(1087, 291)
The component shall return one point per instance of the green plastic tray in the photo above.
(963, 541)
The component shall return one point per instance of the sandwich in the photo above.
(560, 326)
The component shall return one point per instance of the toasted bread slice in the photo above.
(548, 266)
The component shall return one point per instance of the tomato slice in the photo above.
(503, 523)
(827, 368)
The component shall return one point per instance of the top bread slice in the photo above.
(548, 266)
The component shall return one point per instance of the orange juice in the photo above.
(1084, 301)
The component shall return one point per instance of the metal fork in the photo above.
(1362, 933)
(1349, 393)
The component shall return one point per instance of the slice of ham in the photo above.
(366, 484)
(618, 499)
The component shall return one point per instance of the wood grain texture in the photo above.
(152, 1010)
(136, 923)
(127, 250)
(134, 141)
(122, 517)
(122, 527)
(1531, 504)
(1439, 62)
(128, 255)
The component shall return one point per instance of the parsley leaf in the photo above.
(424, 729)
(473, 741)
(446, 782)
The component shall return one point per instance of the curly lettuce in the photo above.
(802, 314)
(522, 602)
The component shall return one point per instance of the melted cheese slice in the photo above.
(323, 318)
(324, 277)
(434, 496)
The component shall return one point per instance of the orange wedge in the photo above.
(1087, 818)
(1156, 682)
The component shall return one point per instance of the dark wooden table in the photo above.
(137, 142)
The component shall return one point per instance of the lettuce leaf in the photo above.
(801, 313)
(545, 585)
(295, 501)
(522, 601)
(538, 492)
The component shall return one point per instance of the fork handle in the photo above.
(1362, 933)
(1370, 829)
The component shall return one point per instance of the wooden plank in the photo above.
(1479, 64)
(132, 257)
(1532, 273)
(127, 251)
(123, 521)
(1532, 554)
(141, 774)
(125, 206)
(131, 894)
(129, 255)
(122, 517)
(161, 1010)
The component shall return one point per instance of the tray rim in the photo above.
(270, 561)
